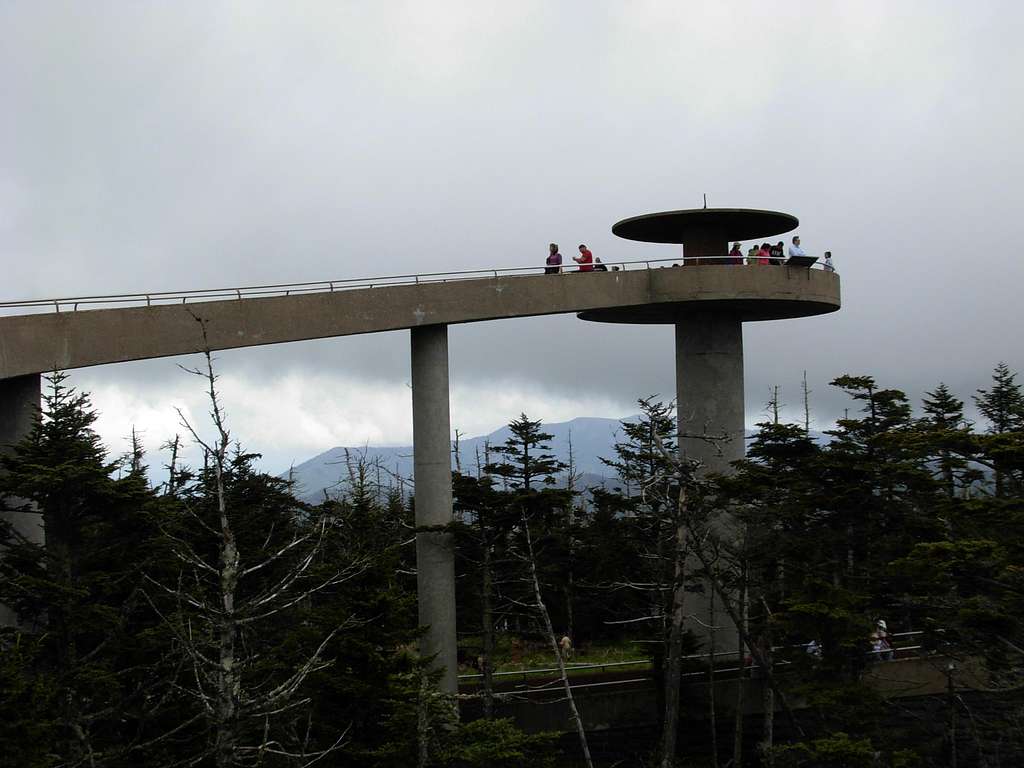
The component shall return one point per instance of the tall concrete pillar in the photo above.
(432, 467)
(709, 401)
(709, 387)
(19, 402)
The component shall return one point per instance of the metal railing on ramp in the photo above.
(157, 298)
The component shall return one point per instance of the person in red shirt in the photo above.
(585, 259)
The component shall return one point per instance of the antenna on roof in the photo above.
(705, 199)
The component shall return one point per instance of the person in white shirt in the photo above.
(828, 262)
(795, 249)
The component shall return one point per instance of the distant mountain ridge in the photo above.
(593, 438)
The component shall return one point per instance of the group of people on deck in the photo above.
(762, 254)
(586, 260)
(766, 253)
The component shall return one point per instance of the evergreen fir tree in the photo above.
(948, 437)
(648, 477)
(78, 596)
(372, 683)
(528, 471)
(486, 523)
(1003, 406)
(878, 496)
(528, 464)
(1003, 403)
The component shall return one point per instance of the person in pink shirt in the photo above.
(585, 259)
(764, 255)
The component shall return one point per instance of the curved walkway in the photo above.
(62, 339)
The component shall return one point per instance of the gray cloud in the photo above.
(157, 147)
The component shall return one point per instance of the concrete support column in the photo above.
(709, 387)
(19, 402)
(432, 467)
(709, 401)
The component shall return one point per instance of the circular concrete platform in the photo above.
(748, 293)
(703, 224)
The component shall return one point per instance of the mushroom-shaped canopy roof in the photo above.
(699, 224)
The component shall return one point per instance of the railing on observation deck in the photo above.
(891, 654)
(159, 298)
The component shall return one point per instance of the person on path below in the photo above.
(585, 259)
(885, 642)
(554, 262)
(735, 255)
(876, 647)
(565, 646)
(795, 249)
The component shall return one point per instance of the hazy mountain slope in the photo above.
(592, 438)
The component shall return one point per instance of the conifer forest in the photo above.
(202, 615)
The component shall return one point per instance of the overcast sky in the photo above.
(166, 146)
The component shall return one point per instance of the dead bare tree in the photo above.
(732, 608)
(674, 654)
(741, 659)
(670, 492)
(767, 742)
(542, 610)
(174, 470)
(685, 501)
(805, 390)
(486, 597)
(708, 540)
(214, 619)
(457, 452)
(712, 714)
(572, 477)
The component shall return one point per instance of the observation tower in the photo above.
(709, 334)
(709, 325)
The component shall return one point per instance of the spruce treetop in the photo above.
(527, 457)
(1003, 403)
